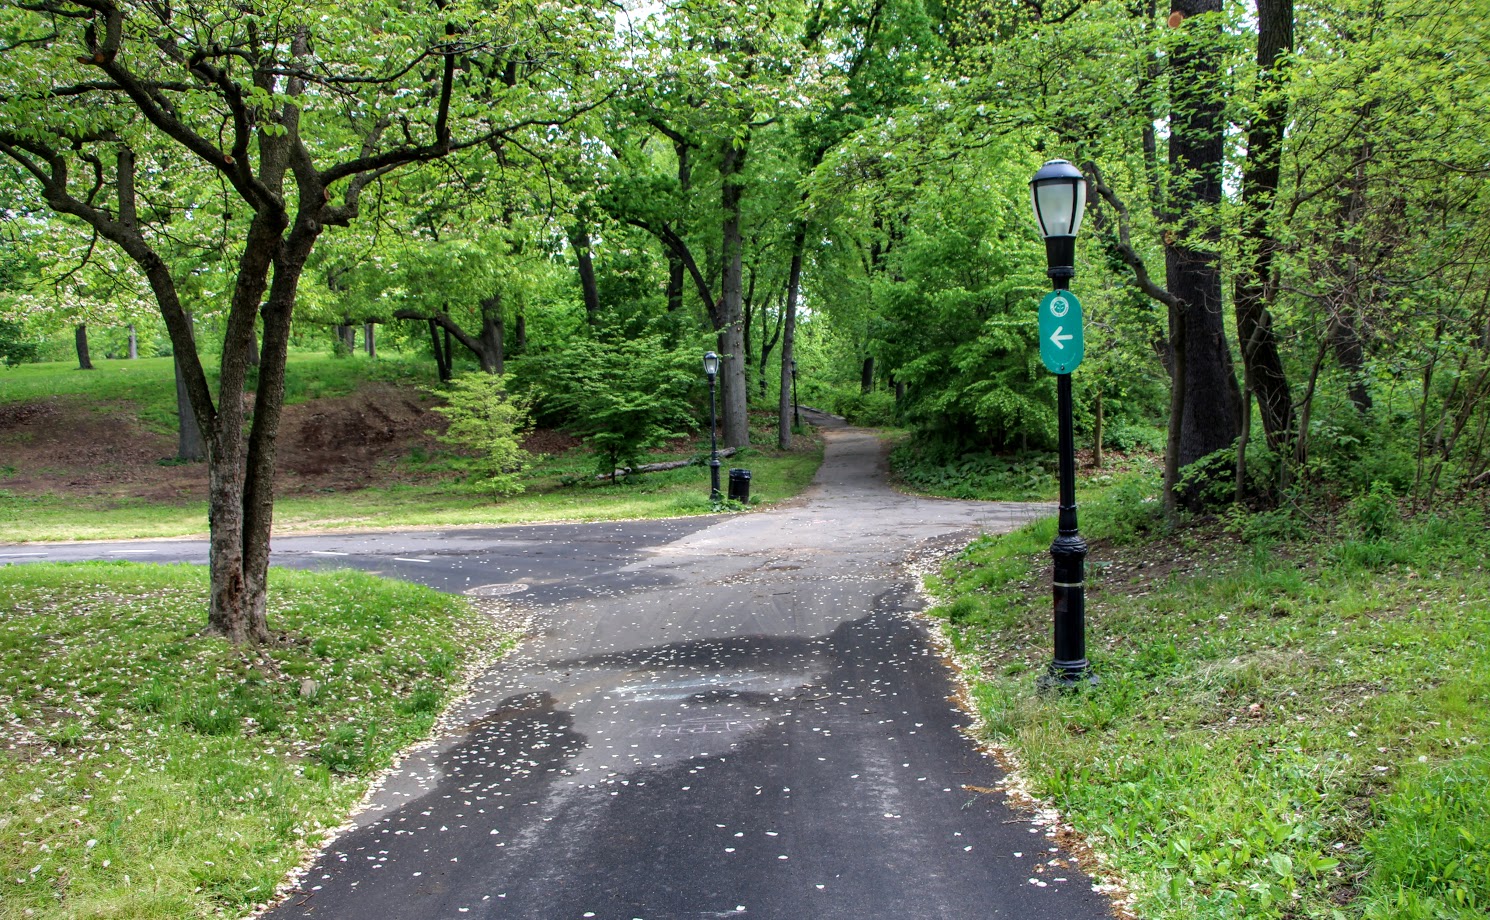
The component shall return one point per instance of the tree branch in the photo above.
(1124, 245)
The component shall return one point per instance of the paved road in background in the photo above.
(711, 717)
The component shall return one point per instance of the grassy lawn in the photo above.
(428, 493)
(1288, 724)
(149, 773)
(553, 495)
(146, 386)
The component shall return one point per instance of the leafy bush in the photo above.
(1129, 436)
(488, 422)
(875, 409)
(939, 471)
(1374, 515)
(624, 397)
(1268, 526)
(1129, 510)
(16, 347)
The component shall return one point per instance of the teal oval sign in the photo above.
(1062, 345)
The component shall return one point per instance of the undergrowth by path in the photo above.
(1282, 729)
(1015, 477)
(147, 772)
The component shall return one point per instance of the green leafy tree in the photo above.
(18, 344)
(624, 397)
(955, 320)
(489, 423)
(126, 116)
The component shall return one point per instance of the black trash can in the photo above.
(739, 486)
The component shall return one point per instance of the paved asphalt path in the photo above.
(711, 717)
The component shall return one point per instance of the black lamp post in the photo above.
(796, 410)
(1058, 193)
(711, 370)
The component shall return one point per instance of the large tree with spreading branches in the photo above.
(283, 119)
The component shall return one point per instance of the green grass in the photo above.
(1282, 729)
(560, 489)
(146, 772)
(147, 386)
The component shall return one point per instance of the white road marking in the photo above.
(402, 559)
(130, 552)
(17, 555)
(327, 552)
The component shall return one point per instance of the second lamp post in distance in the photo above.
(711, 370)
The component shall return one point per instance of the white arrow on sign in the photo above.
(1060, 340)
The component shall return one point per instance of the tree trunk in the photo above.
(1241, 446)
(134, 343)
(253, 348)
(769, 340)
(866, 375)
(1212, 408)
(1097, 433)
(1251, 291)
(579, 241)
(240, 493)
(80, 339)
(263, 436)
(369, 340)
(789, 340)
(1178, 388)
(442, 362)
(1212, 401)
(675, 266)
(487, 345)
(190, 448)
(492, 333)
(747, 324)
(729, 321)
(674, 283)
(1351, 353)
(1346, 309)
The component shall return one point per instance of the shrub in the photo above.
(489, 423)
(874, 409)
(16, 347)
(624, 397)
(935, 468)
(1374, 515)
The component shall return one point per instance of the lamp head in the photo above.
(1058, 195)
(711, 365)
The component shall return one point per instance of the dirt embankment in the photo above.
(66, 445)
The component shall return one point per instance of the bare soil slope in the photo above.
(67, 445)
